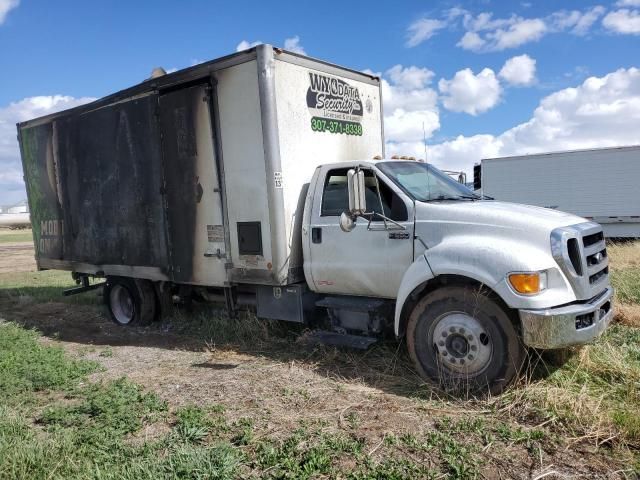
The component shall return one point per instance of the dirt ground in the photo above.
(281, 384)
(17, 257)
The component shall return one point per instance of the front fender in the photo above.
(417, 273)
(487, 261)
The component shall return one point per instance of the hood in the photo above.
(469, 217)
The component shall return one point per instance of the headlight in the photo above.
(528, 283)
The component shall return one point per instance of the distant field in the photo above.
(204, 396)
(10, 236)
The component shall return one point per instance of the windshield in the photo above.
(425, 182)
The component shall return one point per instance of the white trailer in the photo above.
(599, 184)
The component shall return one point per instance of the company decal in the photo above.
(335, 105)
(50, 237)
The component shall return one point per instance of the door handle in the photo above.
(316, 235)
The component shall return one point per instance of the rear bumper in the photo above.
(574, 324)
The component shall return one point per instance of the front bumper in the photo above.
(574, 324)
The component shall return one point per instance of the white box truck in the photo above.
(256, 179)
(562, 180)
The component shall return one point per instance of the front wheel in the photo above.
(463, 340)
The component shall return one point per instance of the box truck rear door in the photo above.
(192, 189)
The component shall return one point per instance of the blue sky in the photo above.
(80, 50)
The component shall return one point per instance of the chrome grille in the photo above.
(589, 240)
(581, 253)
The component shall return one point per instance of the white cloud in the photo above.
(11, 184)
(410, 126)
(521, 32)
(471, 41)
(484, 33)
(245, 45)
(5, 7)
(423, 29)
(470, 93)
(520, 70)
(410, 105)
(410, 78)
(628, 3)
(575, 21)
(485, 21)
(293, 44)
(623, 21)
(601, 112)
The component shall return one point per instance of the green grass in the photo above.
(27, 367)
(14, 236)
(627, 284)
(45, 286)
(56, 424)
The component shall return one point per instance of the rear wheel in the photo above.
(463, 340)
(130, 301)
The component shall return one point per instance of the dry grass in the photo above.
(624, 255)
(628, 314)
(15, 236)
(625, 276)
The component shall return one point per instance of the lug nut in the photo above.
(461, 330)
(441, 343)
(470, 357)
(474, 348)
(462, 361)
(444, 354)
(470, 337)
(444, 334)
(452, 360)
(452, 329)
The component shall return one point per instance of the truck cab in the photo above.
(473, 281)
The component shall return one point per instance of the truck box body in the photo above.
(599, 184)
(197, 176)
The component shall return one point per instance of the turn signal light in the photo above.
(528, 283)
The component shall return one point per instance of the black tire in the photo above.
(131, 302)
(474, 323)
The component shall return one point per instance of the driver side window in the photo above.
(335, 197)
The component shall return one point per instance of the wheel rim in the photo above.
(121, 304)
(462, 344)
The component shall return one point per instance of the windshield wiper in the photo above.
(457, 197)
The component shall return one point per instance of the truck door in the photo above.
(191, 187)
(368, 262)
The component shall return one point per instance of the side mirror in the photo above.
(357, 200)
(347, 222)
